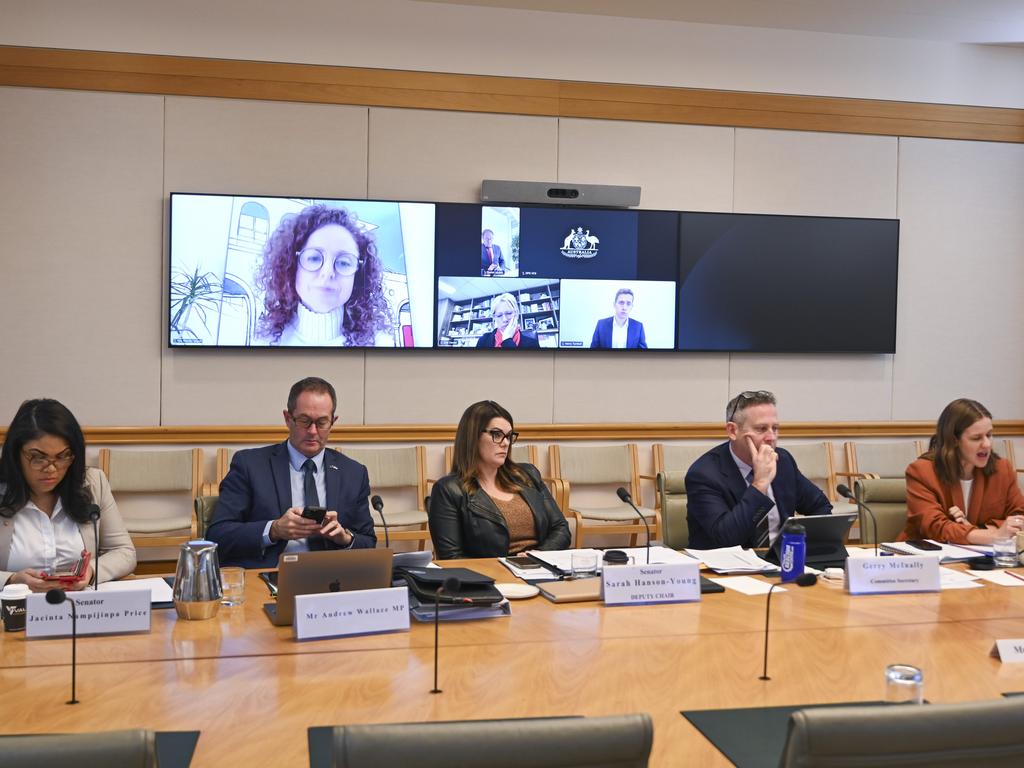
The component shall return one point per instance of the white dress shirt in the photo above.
(619, 333)
(44, 542)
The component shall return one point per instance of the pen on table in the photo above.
(1008, 572)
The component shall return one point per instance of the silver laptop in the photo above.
(332, 570)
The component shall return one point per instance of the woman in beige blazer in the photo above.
(46, 502)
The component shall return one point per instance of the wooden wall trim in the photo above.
(221, 78)
(445, 433)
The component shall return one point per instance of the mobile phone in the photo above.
(924, 544)
(316, 514)
(522, 561)
(72, 572)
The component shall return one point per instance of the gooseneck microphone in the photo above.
(378, 504)
(94, 516)
(56, 597)
(845, 492)
(804, 580)
(450, 587)
(624, 495)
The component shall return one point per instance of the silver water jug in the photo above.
(197, 587)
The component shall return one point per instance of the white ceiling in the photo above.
(957, 21)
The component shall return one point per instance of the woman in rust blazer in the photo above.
(960, 491)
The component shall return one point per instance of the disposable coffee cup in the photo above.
(12, 603)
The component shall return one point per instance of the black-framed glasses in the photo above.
(304, 422)
(498, 436)
(743, 398)
(312, 260)
(40, 461)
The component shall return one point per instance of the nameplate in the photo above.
(646, 584)
(1008, 650)
(99, 613)
(360, 612)
(883, 575)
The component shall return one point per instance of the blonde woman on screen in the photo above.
(506, 332)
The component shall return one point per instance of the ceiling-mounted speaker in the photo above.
(496, 191)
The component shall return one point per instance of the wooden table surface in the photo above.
(253, 690)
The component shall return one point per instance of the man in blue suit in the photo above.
(741, 492)
(620, 331)
(259, 512)
(492, 262)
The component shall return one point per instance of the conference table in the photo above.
(253, 690)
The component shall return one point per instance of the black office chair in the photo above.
(125, 749)
(976, 733)
(621, 741)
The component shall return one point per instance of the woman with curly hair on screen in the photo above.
(321, 279)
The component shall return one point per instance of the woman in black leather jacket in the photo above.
(489, 506)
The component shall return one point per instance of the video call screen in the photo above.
(256, 271)
(301, 272)
(559, 278)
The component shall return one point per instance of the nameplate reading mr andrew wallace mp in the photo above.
(360, 612)
(655, 583)
(99, 613)
(882, 575)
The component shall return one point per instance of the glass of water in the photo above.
(232, 581)
(904, 684)
(1004, 551)
(583, 564)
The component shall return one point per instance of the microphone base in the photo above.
(73, 701)
(763, 677)
(432, 690)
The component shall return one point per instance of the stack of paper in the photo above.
(451, 612)
(160, 591)
(732, 560)
(948, 553)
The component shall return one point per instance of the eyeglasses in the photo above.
(498, 436)
(304, 422)
(312, 260)
(745, 397)
(40, 461)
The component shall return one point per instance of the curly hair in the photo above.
(366, 311)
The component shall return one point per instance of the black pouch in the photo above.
(474, 588)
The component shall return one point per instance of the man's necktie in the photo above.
(760, 537)
(308, 471)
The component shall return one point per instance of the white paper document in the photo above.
(562, 558)
(540, 573)
(950, 579)
(1000, 577)
(949, 553)
(748, 585)
(732, 560)
(160, 590)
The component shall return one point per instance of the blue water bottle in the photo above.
(794, 550)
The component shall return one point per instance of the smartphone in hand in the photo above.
(316, 514)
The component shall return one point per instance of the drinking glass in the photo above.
(904, 684)
(1004, 551)
(583, 564)
(233, 583)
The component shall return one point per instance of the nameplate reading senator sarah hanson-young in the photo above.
(879, 575)
(655, 583)
(359, 612)
(99, 613)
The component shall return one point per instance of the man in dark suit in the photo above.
(620, 331)
(741, 492)
(492, 263)
(259, 512)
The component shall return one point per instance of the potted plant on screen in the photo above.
(191, 291)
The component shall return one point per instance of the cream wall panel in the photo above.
(679, 167)
(424, 387)
(80, 181)
(428, 155)
(223, 145)
(790, 172)
(815, 174)
(961, 315)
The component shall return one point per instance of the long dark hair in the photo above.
(944, 447)
(34, 419)
(366, 311)
(466, 459)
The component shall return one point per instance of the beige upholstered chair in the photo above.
(155, 492)
(975, 733)
(206, 508)
(522, 454)
(672, 503)
(391, 469)
(887, 498)
(815, 463)
(125, 749)
(884, 459)
(678, 457)
(607, 466)
(619, 741)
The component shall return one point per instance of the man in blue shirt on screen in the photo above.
(620, 331)
(742, 491)
(260, 510)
